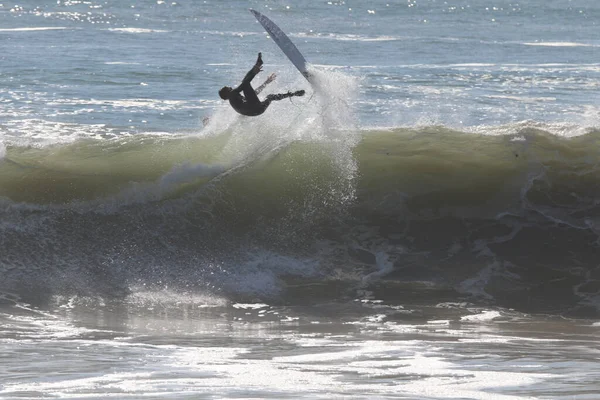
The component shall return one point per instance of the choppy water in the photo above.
(423, 224)
(174, 346)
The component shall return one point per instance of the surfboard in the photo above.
(284, 43)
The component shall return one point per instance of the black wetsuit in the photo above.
(249, 104)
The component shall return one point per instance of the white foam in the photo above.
(146, 103)
(144, 297)
(472, 65)
(43, 325)
(439, 322)
(133, 103)
(229, 33)
(347, 37)
(137, 30)
(559, 44)
(121, 63)
(2, 150)
(484, 316)
(41, 133)
(377, 318)
(223, 357)
(336, 92)
(250, 306)
(524, 99)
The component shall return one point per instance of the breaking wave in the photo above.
(509, 219)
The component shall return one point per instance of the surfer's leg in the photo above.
(252, 73)
(250, 94)
(281, 96)
(248, 78)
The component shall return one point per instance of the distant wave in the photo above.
(32, 29)
(347, 37)
(524, 99)
(229, 33)
(560, 44)
(120, 63)
(137, 30)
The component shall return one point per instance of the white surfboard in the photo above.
(284, 43)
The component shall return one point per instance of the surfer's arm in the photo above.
(270, 79)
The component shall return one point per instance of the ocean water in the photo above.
(423, 224)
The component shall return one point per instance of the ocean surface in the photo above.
(423, 224)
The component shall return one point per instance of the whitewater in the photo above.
(423, 224)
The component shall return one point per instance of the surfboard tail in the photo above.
(284, 43)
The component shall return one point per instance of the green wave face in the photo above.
(507, 218)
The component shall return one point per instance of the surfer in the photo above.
(249, 104)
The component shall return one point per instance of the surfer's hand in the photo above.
(271, 78)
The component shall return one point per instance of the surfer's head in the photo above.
(225, 92)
